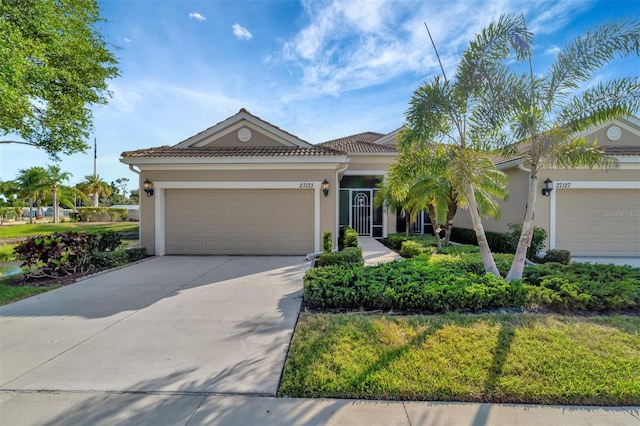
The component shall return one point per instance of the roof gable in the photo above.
(243, 130)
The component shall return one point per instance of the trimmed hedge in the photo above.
(350, 238)
(503, 243)
(101, 214)
(327, 241)
(350, 255)
(441, 283)
(556, 255)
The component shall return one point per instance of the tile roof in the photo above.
(622, 150)
(284, 151)
(359, 143)
(498, 158)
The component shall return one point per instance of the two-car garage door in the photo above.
(239, 221)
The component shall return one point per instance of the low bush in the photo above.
(327, 241)
(537, 240)
(101, 214)
(350, 238)
(57, 254)
(502, 243)
(350, 255)
(396, 240)
(557, 255)
(6, 253)
(440, 283)
(109, 259)
(135, 254)
(408, 285)
(108, 240)
(411, 248)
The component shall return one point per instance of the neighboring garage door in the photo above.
(598, 222)
(239, 221)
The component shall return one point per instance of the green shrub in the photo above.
(396, 240)
(6, 253)
(459, 249)
(327, 241)
(411, 248)
(502, 243)
(537, 240)
(60, 253)
(350, 255)
(582, 286)
(108, 240)
(471, 262)
(408, 285)
(135, 254)
(101, 214)
(350, 238)
(559, 256)
(109, 259)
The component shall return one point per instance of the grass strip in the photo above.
(26, 230)
(10, 293)
(517, 358)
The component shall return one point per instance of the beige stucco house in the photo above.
(245, 186)
(592, 213)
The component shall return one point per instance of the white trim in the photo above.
(568, 185)
(565, 185)
(552, 220)
(365, 173)
(161, 186)
(628, 158)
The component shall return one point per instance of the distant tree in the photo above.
(134, 196)
(32, 185)
(94, 187)
(54, 65)
(56, 177)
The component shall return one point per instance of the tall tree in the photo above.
(56, 177)
(54, 65)
(32, 184)
(551, 109)
(468, 112)
(95, 187)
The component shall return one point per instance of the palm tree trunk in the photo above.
(30, 210)
(95, 199)
(434, 224)
(517, 266)
(483, 245)
(54, 193)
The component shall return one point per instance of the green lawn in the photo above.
(26, 230)
(10, 294)
(519, 358)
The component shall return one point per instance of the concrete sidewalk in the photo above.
(189, 409)
(375, 252)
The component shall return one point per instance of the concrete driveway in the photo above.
(192, 325)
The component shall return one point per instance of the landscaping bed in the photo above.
(508, 358)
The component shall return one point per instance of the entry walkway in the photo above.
(375, 252)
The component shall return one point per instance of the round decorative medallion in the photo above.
(614, 133)
(244, 134)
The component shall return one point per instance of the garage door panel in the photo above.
(597, 222)
(243, 221)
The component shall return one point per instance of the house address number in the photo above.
(306, 185)
(562, 185)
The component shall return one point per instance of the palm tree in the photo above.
(468, 112)
(550, 110)
(56, 177)
(430, 175)
(32, 185)
(95, 187)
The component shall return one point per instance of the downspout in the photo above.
(133, 169)
(337, 191)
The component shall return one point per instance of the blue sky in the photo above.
(318, 69)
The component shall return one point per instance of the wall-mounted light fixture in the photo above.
(147, 186)
(325, 187)
(548, 187)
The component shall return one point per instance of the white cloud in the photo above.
(127, 39)
(241, 32)
(197, 16)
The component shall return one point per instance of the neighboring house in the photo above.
(245, 186)
(591, 213)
